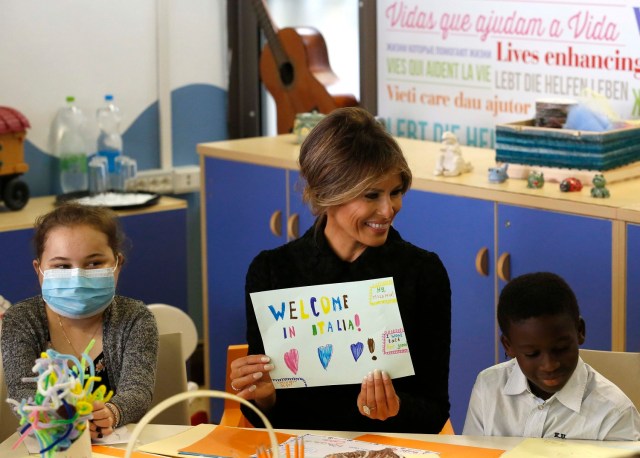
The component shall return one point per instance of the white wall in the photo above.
(54, 48)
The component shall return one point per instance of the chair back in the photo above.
(447, 428)
(171, 378)
(622, 368)
(232, 415)
(171, 319)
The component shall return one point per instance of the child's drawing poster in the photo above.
(332, 334)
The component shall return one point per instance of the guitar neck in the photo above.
(271, 32)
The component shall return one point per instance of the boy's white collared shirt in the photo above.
(588, 407)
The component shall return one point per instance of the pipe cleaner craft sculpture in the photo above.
(59, 412)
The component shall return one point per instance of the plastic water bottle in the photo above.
(109, 139)
(68, 133)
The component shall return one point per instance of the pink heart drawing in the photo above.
(291, 360)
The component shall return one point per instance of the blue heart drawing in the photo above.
(324, 353)
(356, 350)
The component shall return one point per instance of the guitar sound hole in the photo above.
(286, 73)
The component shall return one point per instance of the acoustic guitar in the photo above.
(294, 67)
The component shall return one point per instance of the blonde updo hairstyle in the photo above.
(344, 155)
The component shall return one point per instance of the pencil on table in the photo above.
(287, 450)
(302, 447)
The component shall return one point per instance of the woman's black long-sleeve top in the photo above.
(424, 299)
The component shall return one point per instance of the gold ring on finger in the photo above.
(367, 410)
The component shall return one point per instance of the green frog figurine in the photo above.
(535, 180)
(599, 190)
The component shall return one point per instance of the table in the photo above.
(153, 433)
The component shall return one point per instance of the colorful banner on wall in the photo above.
(332, 334)
(466, 65)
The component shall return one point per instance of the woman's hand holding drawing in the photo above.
(251, 380)
(378, 399)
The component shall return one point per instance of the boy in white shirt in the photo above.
(546, 390)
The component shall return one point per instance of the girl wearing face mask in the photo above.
(78, 261)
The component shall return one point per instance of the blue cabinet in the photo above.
(459, 230)
(18, 279)
(156, 266)
(575, 247)
(247, 210)
(633, 287)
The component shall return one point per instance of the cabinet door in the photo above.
(18, 280)
(457, 229)
(156, 266)
(577, 248)
(633, 288)
(240, 201)
(297, 209)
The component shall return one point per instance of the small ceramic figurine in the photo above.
(450, 162)
(598, 189)
(535, 180)
(498, 174)
(570, 184)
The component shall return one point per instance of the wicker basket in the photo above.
(523, 143)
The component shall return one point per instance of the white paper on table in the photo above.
(535, 447)
(332, 334)
(119, 436)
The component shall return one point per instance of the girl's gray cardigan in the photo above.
(129, 344)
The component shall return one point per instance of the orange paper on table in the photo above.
(445, 450)
(228, 441)
(118, 452)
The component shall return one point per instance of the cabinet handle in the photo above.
(504, 267)
(482, 261)
(293, 226)
(275, 223)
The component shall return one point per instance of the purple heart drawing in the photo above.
(291, 360)
(356, 350)
(324, 353)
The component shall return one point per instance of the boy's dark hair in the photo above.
(533, 295)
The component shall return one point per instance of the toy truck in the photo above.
(13, 130)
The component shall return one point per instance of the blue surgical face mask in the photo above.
(78, 293)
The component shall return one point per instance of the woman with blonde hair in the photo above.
(356, 177)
